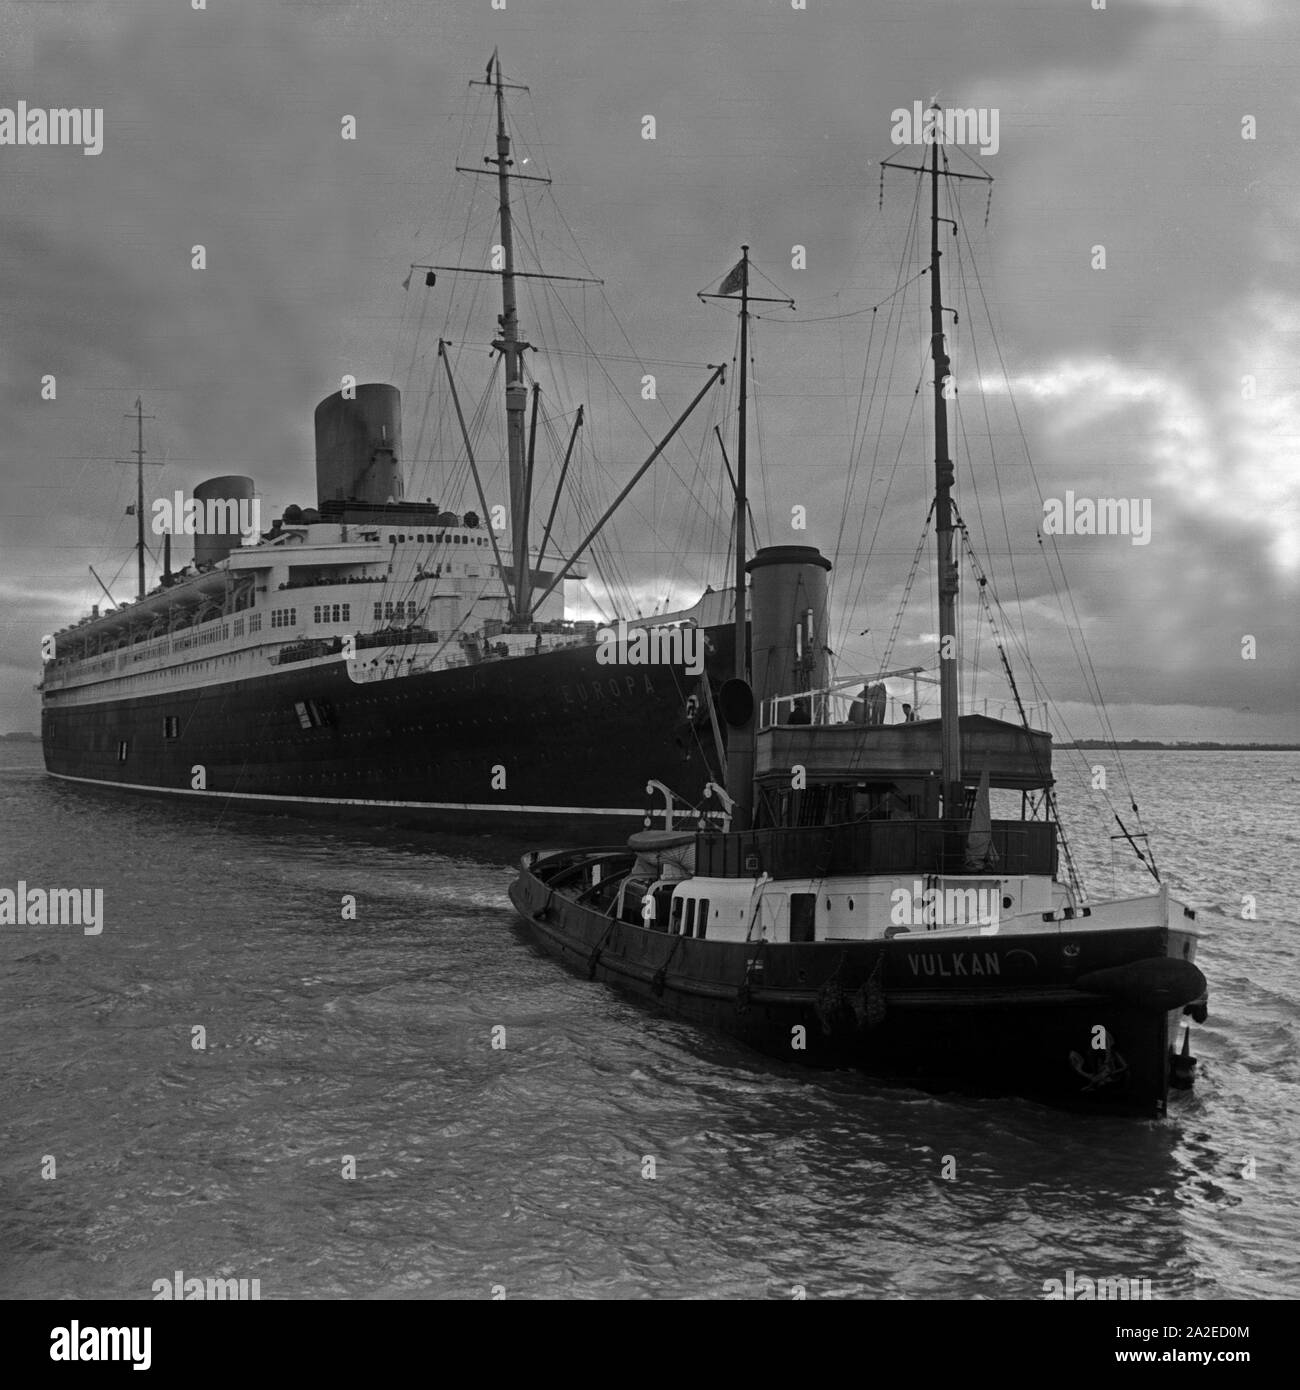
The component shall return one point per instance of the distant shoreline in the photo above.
(1143, 745)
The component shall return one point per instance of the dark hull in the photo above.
(575, 741)
(905, 1010)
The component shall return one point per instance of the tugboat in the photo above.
(851, 900)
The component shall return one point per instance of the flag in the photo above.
(980, 853)
(130, 510)
(735, 279)
(491, 60)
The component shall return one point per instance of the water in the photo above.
(523, 1167)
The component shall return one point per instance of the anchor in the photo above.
(1112, 1066)
(1182, 1065)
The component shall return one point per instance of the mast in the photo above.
(737, 278)
(740, 663)
(510, 346)
(140, 418)
(740, 738)
(950, 730)
(512, 351)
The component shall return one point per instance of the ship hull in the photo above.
(542, 744)
(977, 1015)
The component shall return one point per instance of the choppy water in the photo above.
(523, 1166)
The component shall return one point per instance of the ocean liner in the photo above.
(862, 905)
(373, 656)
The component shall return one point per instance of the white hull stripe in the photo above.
(359, 801)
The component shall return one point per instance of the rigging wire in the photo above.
(758, 422)
(1086, 666)
(981, 588)
(892, 328)
(1020, 639)
(907, 588)
(852, 313)
(689, 484)
(988, 427)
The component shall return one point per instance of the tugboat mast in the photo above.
(950, 732)
(952, 787)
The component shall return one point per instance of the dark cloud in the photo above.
(1120, 128)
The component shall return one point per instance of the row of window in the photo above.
(284, 617)
(395, 612)
(201, 639)
(694, 921)
(332, 613)
(147, 653)
(134, 679)
(438, 539)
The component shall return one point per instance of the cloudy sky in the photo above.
(1168, 376)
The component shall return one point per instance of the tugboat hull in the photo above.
(1083, 1017)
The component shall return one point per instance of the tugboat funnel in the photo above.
(788, 617)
